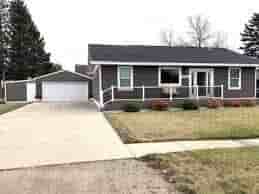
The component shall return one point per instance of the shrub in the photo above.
(185, 188)
(234, 103)
(249, 103)
(214, 103)
(190, 105)
(159, 106)
(131, 107)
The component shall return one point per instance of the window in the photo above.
(170, 76)
(125, 77)
(234, 78)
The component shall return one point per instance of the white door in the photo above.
(64, 91)
(31, 91)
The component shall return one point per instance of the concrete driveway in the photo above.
(56, 133)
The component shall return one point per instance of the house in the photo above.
(60, 86)
(122, 74)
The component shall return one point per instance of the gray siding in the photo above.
(16, 91)
(95, 87)
(109, 76)
(148, 76)
(143, 75)
(247, 83)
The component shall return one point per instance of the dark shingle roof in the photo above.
(83, 69)
(119, 53)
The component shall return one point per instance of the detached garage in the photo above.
(60, 86)
(63, 86)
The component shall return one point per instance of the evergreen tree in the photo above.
(28, 57)
(4, 26)
(250, 37)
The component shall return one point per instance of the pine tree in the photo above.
(28, 57)
(4, 27)
(250, 37)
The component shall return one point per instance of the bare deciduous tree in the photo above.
(199, 30)
(220, 40)
(181, 42)
(167, 37)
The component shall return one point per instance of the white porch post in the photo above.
(112, 88)
(171, 93)
(222, 91)
(207, 83)
(101, 99)
(197, 92)
(143, 93)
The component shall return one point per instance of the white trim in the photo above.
(49, 74)
(18, 102)
(210, 83)
(244, 98)
(30, 91)
(131, 79)
(61, 71)
(154, 63)
(96, 103)
(239, 81)
(79, 74)
(95, 71)
(202, 98)
(100, 87)
(19, 81)
(186, 76)
(168, 84)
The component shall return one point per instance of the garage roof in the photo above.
(63, 75)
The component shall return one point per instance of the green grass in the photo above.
(222, 171)
(223, 123)
(4, 108)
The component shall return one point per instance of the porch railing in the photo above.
(145, 93)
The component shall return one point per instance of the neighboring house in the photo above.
(122, 74)
(60, 86)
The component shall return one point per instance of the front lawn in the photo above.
(222, 171)
(4, 108)
(223, 123)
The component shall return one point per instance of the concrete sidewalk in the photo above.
(143, 149)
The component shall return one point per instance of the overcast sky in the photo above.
(68, 26)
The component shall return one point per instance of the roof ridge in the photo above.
(150, 46)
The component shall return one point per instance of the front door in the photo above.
(201, 82)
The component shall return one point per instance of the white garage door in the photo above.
(64, 91)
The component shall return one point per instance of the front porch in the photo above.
(152, 93)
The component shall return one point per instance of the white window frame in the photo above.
(239, 81)
(131, 78)
(170, 84)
